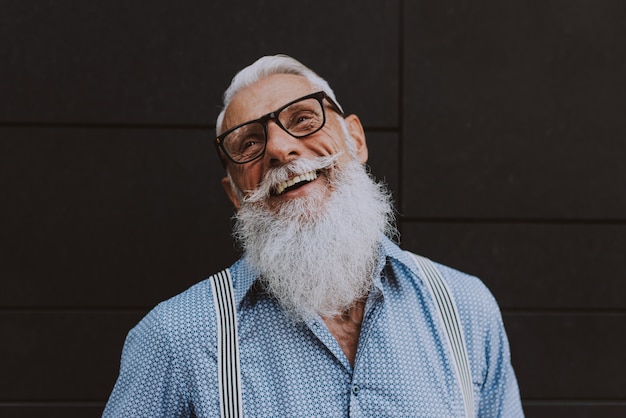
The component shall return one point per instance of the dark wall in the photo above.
(498, 125)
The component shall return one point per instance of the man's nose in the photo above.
(281, 147)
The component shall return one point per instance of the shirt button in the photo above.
(355, 390)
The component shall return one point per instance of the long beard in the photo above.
(317, 255)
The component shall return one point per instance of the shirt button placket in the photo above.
(355, 407)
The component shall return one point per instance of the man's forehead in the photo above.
(264, 96)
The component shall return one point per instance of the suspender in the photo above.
(229, 376)
(450, 319)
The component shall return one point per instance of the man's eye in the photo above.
(301, 121)
(249, 144)
(246, 143)
(303, 117)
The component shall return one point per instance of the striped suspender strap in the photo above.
(227, 346)
(449, 316)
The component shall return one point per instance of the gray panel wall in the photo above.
(499, 127)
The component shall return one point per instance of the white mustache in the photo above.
(275, 176)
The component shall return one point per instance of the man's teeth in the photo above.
(310, 176)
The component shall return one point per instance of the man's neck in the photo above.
(346, 329)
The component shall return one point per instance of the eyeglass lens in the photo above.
(299, 119)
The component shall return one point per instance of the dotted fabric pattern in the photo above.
(288, 369)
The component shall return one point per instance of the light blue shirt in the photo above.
(288, 369)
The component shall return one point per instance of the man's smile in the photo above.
(295, 182)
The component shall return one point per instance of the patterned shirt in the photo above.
(297, 369)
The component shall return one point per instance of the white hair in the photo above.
(264, 67)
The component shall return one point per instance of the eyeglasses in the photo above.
(299, 118)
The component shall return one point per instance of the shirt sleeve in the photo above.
(149, 383)
(499, 394)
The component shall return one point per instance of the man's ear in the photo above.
(226, 184)
(358, 134)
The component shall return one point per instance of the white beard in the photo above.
(317, 255)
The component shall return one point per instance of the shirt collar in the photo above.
(389, 251)
(244, 274)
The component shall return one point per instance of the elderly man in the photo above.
(323, 315)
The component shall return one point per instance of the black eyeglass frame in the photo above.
(319, 96)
